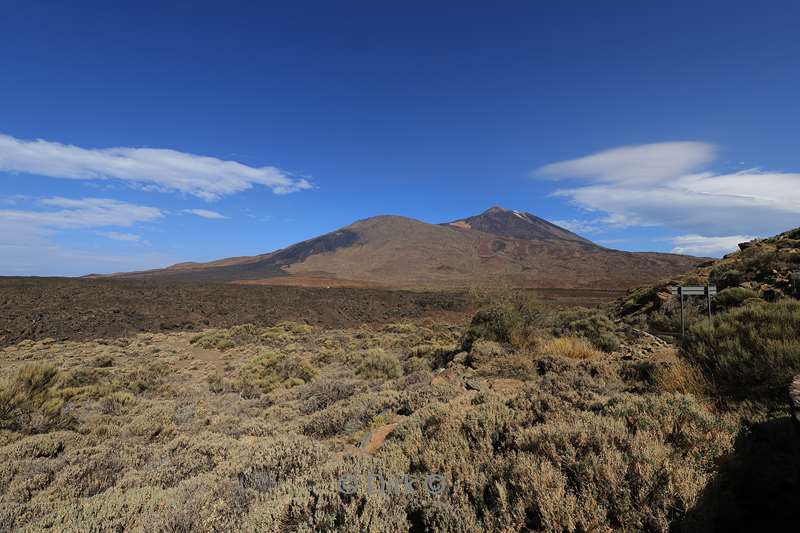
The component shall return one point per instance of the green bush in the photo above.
(750, 352)
(511, 319)
(594, 326)
(496, 323)
(726, 276)
(733, 297)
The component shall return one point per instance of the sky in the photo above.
(136, 135)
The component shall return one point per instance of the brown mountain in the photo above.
(499, 247)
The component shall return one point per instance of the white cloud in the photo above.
(205, 213)
(638, 164)
(160, 169)
(118, 236)
(83, 213)
(707, 246)
(664, 185)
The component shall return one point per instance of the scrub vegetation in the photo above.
(537, 418)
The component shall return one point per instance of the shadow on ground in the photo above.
(758, 487)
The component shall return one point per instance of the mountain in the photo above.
(499, 247)
(517, 225)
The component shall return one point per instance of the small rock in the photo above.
(471, 384)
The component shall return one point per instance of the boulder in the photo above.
(748, 244)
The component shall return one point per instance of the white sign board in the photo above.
(694, 290)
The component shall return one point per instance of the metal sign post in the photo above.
(694, 290)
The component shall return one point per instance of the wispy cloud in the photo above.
(118, 236)
(82, 213)
(205, 213)
(707, 246)
(578, 226)
(665, 184)
(28, 236)
(160, 169)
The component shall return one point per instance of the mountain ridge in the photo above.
(496, 247)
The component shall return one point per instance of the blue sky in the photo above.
(135, 135)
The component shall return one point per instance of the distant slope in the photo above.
(498, 247)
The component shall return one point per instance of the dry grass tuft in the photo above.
(570, 347)
(678, 376)
(30, 402)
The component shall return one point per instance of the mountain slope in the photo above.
(497, 247)
(768, 268)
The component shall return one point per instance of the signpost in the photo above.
(694, 290)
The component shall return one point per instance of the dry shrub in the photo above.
(623, 463)
(147, 379)
(203, 503)
(350, 415)
(416, 396)
(215, 383)
(525, 339)
(437, 355)
(271, 370)
(116, 403)
(377, 364)
(416, 364)
(400, 328)
(187, 456)
(482, 351)
(213, 340)
(570, 450)
(322, 394)
(91, 471)
(570, 347)
(225, 339)
(102, 361)
(517, 366)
